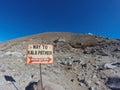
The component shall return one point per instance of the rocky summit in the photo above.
(81, 62)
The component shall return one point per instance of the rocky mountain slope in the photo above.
(81, 62)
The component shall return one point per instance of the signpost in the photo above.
(39, 54)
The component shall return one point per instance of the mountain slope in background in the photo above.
(81, 62)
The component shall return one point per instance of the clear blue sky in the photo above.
(26, 17)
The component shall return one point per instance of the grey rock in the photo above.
(111, 65)
(92, 88)
(113, 83)
(116, 50)
(69, 63)
(63, 63)
(59, 40)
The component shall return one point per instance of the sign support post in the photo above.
(41, 77)
(39, 54)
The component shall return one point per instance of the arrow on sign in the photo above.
(39, 59)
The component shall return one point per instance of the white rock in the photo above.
(109, 66)
(56, 71)
(18, 54)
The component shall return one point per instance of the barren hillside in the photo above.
(81, 62)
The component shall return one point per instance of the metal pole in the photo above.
(41, 76)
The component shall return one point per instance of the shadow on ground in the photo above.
(11, 79)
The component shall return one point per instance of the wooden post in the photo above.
(41, 77)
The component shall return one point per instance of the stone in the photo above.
(92, 88)
(113, 83)
(63, 62)
(116, 50)
(111, 65)
(69, 63)
(59, 40)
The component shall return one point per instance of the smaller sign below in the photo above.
(39, 53)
